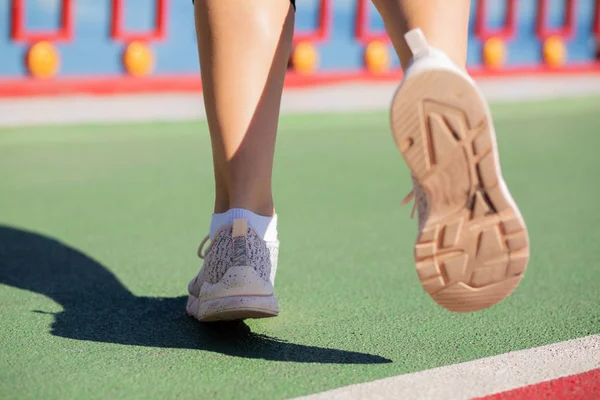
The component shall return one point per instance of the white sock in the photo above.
(266, 227)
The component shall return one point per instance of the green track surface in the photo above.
(99, 227)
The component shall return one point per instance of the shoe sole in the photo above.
(233, 308)
(473, 248)
(240, 294)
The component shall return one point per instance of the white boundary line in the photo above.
(481, 377)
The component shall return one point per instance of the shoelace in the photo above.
(410, 196)
(200, 254)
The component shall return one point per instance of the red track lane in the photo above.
(585, 386)
(190, 83)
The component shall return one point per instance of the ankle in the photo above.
(263, 208)
(221, 201)
(265, 226)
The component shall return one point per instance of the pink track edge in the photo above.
(190, 83)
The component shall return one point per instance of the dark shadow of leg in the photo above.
(97, 307)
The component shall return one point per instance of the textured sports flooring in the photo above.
(99, 227)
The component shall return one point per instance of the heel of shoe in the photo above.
(240, 294)
(233, 308)
(417, 43)
(468, 262)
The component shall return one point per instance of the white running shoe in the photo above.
(236, 279)
(473, 247)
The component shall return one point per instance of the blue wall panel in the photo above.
(92, 52)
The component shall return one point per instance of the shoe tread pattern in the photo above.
(473, 247)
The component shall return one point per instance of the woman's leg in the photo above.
(244, 48)
(473, 246)
(445, 24)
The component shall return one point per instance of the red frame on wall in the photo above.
(118, 32)
(509, 29)
(362, 32)
(566, 31)
(20, 33)
(321, 33)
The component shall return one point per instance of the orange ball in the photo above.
(377, 57)
(43, 60)
(494, 52)
(305, 58)
(138, 59)
(555, 51)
